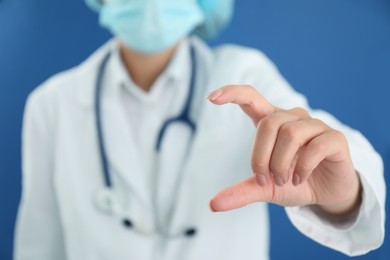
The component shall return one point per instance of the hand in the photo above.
(296, 159)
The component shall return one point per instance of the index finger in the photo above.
(250, 101)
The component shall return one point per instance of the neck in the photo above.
(143, 68)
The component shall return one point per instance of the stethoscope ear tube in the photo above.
(184, 117)
(98, 118)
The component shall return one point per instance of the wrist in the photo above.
(347, 207)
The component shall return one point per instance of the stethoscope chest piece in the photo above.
(107, 201)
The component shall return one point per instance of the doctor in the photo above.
(122, 154)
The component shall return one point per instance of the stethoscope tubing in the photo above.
(183, 117)
(98, 118)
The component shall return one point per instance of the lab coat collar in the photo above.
(85, 94)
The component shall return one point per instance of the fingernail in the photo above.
(296, 180)
(214, 95)
(261, 179)
(278, 181)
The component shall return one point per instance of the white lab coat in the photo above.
(62, 170)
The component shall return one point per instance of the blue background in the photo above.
(337, 52)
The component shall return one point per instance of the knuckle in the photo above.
(289, 131)
(338, 135)
(259, 166)
(318, 147)
(317, 121)
(249, 88)
(300, 111)
(303, 168)
(268, 124)
(320, 123)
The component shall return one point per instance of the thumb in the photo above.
(241, 194)
(250, 101)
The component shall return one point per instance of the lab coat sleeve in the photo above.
(38, 233)
(361, 232)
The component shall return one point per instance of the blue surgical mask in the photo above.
(152, 26)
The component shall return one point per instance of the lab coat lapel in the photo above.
(121, 150)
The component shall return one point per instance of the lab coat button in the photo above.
(190, 232)
(127, 223)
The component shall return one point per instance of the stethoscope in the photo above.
(105, 199)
